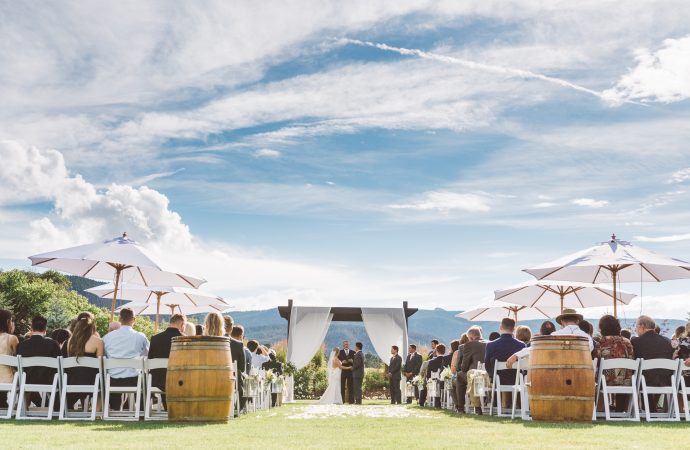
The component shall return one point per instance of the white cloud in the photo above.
(445, 201)
(661, 76)
(670, 238)
(267, 153)
(590, 202)
(680, 176)
(544, 205)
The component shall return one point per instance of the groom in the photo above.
(345, 356)
(358, 372)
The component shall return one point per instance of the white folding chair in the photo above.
(49, 390)
(432, 389)
(684, 389)
(520, 389)
(93, 389)
(607, 391)
(133, 393)
(497, 389)
(153, 392)
(670, 391)
(9, 389)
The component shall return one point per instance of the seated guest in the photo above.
(160, 348)
(238, 334)
(200, 330)
(456, 355)
(679, 333)
(413, 364)
(626, 334)
(39, 345)
(259, 354)
(214, 325)
(612, 345)
(8, 346)
(435, 365)
(189, 329)
(494, 335)
(546, 328)
(61, 336)
(277, 368)
(112, 326)
(501, 349)
(588, 328)
(124, 343)
(650, 345)
(523, 334)
(472, 354)
(236, 346)
(84, 342)
(683, 346)
(448, 359)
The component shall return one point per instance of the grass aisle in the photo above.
(373, 425)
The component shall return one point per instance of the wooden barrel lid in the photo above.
(565, 337)
(201, 339)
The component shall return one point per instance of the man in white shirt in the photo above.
(259, 354)
(569, 321)
(124, 343)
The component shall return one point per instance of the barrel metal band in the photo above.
(560, 397)
(176, 346)
(198, 399)
(561, 366)
(186, 368)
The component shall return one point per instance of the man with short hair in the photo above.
(160, 348)
(501, 349)
(394, 376)
(472, 354)
(238, 335)
(434, 364)
(124, 343)
(358, 373)
(650, 345)
(244, 360)
(39, 345)
(432, 353)
(259, 353)
(413, 364)
(346, 356)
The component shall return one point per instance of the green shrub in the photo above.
(375, 383)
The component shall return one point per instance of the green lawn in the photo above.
(304, 426)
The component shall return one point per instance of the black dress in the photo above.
(80, 376)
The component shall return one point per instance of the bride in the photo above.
(332, 395)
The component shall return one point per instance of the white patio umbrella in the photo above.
(565, 294)
(495, 311)
(149, 309)
(614, 261)
(159, 295)
(119, 258)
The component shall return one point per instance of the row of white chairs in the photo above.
(639, 390)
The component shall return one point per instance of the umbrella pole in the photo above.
(615, 297)
(158, 310)
(561, 303)
(117, 282)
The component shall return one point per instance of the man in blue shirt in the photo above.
(124, 343)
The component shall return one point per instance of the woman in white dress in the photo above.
(332, 395)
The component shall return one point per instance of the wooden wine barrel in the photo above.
(199, 384)
(561, 379)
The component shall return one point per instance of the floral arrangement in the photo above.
(447, 374)
(270, 376)
(418, 380)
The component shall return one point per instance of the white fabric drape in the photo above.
(308, 327)
(386, 327)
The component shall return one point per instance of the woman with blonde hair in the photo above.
(523, 333)
(214, 325)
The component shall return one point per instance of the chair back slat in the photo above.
(83, 361)
(156, 363)
(661, 363)
(10, 361)
(38, 361)
(620, 363)
(131, 363)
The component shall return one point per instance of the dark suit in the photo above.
(472, 354)
(434, 364)
(160, 348)
(358, 376)
(38, 345)
(413, 364)
(237, 354)
(394, 379)
(500, 350)
(654, 346)
(447, 359)
(346, 376)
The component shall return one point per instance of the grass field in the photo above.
(373, 425)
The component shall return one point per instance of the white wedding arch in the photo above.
(308, 325)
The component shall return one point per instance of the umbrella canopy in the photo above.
(149, 309)
(495, 311)
(159, 295)
(116, 258)
(564, 294)
(613, 261)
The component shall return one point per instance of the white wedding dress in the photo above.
(332, 395)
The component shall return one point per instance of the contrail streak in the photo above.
(480, 66)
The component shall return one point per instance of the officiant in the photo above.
(346, 356)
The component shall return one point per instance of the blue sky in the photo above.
(270, 151)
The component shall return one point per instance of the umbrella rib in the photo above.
(190, 299)
(90, 269)
(649, 272)
(142, 276)
(543, 291)
(597, 274)
(578, 298)
(185, 280)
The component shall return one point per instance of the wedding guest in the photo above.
(413, 365)
(38, 345)
(160, 349)
(358, 372)
(85, 343)
(435, 365)
(277, 368)
(501, 349)
(448, 359)
(547, 327)
(494, 335)
(236, 352)
(432, 353)
(200, 330)
(112, 326)
(61, 336)
(523, 334)
(189, 329)
(456, 354)
(472, 354)
(8, 346)
(683, 351)
(244, 362)
(394, 368)
(214, 325)
(651, 345)
(124, 343)
(612, 345)
(626, 333)
(259, 353)
(238, 334)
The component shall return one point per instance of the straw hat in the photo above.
(569, 313)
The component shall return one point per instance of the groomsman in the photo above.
(432, 353)
(346, 356)
(394, 376)
(413, 364)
